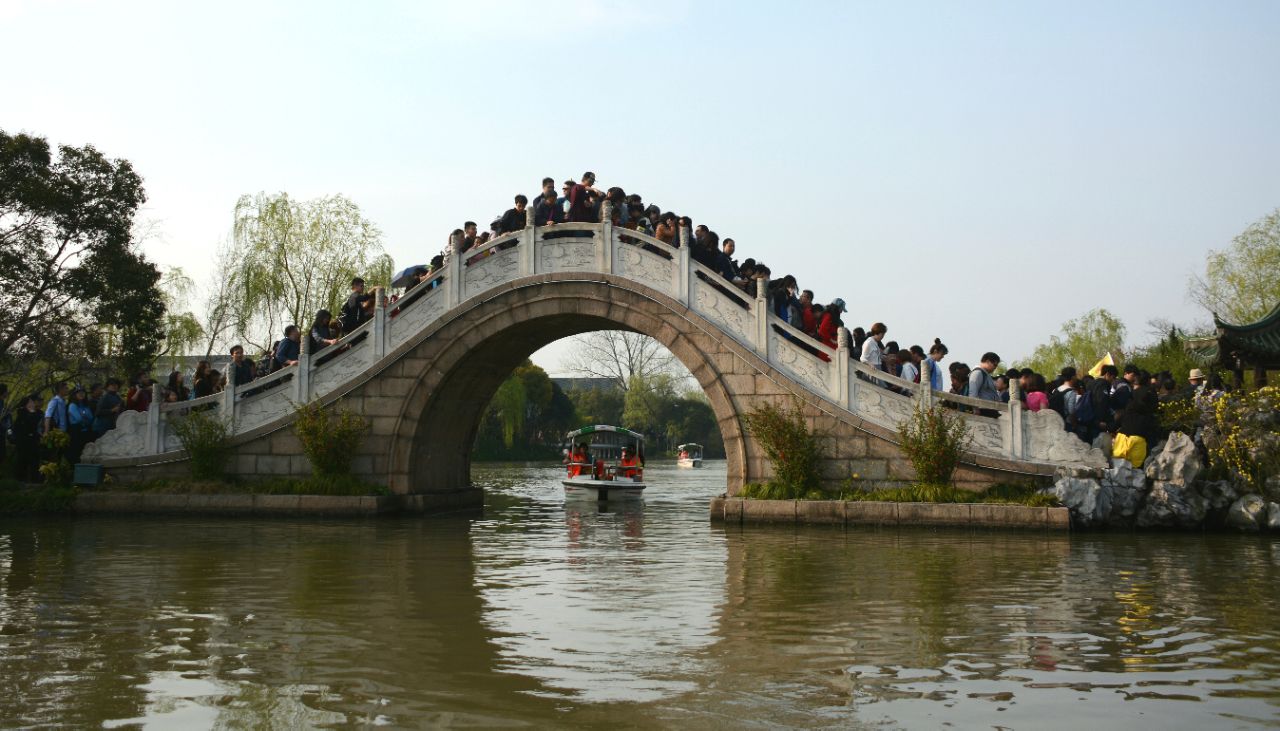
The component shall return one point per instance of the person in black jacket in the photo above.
(26, 440)
(1139, 417)
(356, 309)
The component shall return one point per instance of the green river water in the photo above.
(537, 614)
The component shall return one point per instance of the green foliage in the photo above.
(66, 227)
(56, 472)
(1242, 283)
(598, 405)
(329, 437)
(934, 439)
(794, 451)
(204, 437)
(1169, 353)
(1082, 343)
(526, 419)
(290, 258)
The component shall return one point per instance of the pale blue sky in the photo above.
(979, 172)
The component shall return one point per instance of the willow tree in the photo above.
(1241, 284)
(182, 329)
(290, 258)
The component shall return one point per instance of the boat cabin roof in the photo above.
(690, 445)
(604, 429)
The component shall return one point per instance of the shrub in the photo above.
(1243, 436)
(792, 449)
(203, 435)
(329, 438)
(934, 440)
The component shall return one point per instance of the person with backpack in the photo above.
(1063, 398)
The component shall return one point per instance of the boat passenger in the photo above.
(630, 466)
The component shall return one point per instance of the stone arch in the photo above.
(458, 367)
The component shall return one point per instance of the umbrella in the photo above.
(408, 276)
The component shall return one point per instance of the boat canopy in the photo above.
(690, 446)
(604, 428)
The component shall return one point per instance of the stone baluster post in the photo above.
(762, 318)
(841, 368)
(453, 272)
(924, 394)
(154, 440)
(604, 254)
(379, 323)
(685, 267)
(1015, 434)
(229, 396)
(528, 240)
(302, 378)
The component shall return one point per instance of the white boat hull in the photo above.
(602, 490)
(689, 463)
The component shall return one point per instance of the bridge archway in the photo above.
(457, 370)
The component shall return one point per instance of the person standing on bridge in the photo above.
(514, 219)
(289, 349)
(359, 305)
(581, 206)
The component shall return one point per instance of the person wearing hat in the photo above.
(1197, 380)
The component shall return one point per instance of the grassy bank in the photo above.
(18, 499)
(916, 493)
(345, 485)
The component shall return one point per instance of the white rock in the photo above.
(1248, 513)
(1171, 506)
(1178, 463)
(1085, 498)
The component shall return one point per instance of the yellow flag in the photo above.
(1096, 370)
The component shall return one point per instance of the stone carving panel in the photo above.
(648, 269)
(342, 368)
(128, 439)
(491, 271)
(567, 255)
(416, 317)
(803, 367)
(881, 405)
(262, 408)
(985, 433)
(720, 309)
(1047, 441)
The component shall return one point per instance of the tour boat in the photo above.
(604, 463)
(690, 456)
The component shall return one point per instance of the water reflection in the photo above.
(549, 614)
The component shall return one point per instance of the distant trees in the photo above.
(1082, 342)
(74, 289)
(529, 415)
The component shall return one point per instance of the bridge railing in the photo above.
(997, 429)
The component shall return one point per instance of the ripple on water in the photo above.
(568, 615)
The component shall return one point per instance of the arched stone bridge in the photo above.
(424, 369)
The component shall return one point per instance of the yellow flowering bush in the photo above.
(1243, 435)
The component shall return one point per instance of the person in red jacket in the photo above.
(809, 321)
(831, 323)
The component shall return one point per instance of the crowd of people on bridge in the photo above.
(1123, 404)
